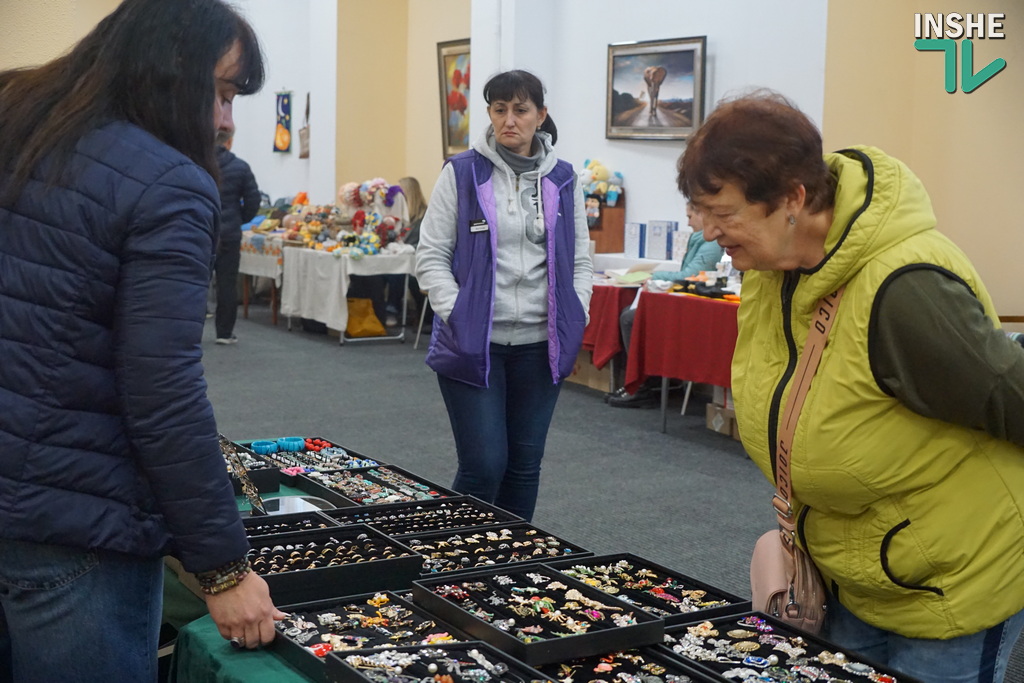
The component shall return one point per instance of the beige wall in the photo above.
(430, 22)
(967, 148)
(32, 33)
(371, 89)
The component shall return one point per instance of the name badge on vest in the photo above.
(478, 225)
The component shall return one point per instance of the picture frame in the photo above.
(454, 73)
(670, 73)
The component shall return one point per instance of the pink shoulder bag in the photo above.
(783, 580)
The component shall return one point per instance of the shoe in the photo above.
(209, 314)
(645, 398)
(618, 393)
(391, 320)
(227, 340)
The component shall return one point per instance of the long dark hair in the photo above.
(150, 63)
(509, 85)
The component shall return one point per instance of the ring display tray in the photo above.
(479, 548)
(656, 589)
(536, 614)
(768, 646)
(425, 516)
(364, 623)
(472, 662)
(371, 486)
(394, 567)
(626, 666)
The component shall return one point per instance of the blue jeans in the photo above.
(500, 431)
(76, 616)
(977, 658)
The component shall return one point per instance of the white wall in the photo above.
(778, 44)
(299, 39)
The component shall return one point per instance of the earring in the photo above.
(792, 219)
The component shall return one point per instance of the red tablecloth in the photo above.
(683, 337)
(602, 334)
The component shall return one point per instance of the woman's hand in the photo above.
(245, 614)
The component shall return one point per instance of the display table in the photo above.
(315, 283)
(261, 257)
(681, 336)
(603, 262)
(200, 653)
(602, 335)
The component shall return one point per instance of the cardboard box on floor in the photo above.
(722, 420)
(585, 373)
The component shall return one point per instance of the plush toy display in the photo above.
(598, 180)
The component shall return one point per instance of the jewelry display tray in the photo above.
(737, 604)
(305, 585)
(339, 671)
(365, 514)
(460, 574)
(654, 654)
(305, 483)
(266, 479)
(647, 630)
(289, 479)
(315, 516)
(315, 667)
(815, 645)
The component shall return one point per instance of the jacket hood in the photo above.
(487, 144)
(879, 202)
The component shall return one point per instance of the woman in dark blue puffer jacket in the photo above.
(108, 447)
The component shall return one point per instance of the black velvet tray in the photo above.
(261, 527)
(264, 475)
(640, 665)
(679, 642)
(310, 461)
(478, 548)
(348, 578)
(677, 603)
(340, 671)
(428, 490)
(425, 516)
(482, 604)
(377, 636)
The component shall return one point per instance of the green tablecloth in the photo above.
(201, 655)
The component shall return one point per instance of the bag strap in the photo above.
(817, 335)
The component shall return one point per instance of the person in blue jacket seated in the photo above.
(700, 255)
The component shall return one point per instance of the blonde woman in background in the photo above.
(417, 207)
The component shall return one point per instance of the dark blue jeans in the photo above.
(500, 431)
(77, 616)
(977, 658)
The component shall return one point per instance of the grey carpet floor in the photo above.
(612, 482)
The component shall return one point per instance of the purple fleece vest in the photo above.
(460, 349)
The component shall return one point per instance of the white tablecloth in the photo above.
(603, 262)
(261, 255)
(315, 282)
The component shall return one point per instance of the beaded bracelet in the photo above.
(226, 577)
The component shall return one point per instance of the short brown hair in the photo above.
(765, 145)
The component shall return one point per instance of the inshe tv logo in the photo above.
(929, 30)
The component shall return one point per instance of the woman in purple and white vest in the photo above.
(504, 255)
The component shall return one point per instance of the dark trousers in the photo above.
(500, 431)
(225, 267)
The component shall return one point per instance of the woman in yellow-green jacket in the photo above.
(908, 458)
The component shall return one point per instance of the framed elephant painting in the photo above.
(655, 89)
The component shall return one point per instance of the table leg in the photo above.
(273, 301)
(612, 374)
(245, 296)
(664, 404)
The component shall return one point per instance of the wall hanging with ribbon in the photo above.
(283, 130)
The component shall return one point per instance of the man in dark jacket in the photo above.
(239, 202)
